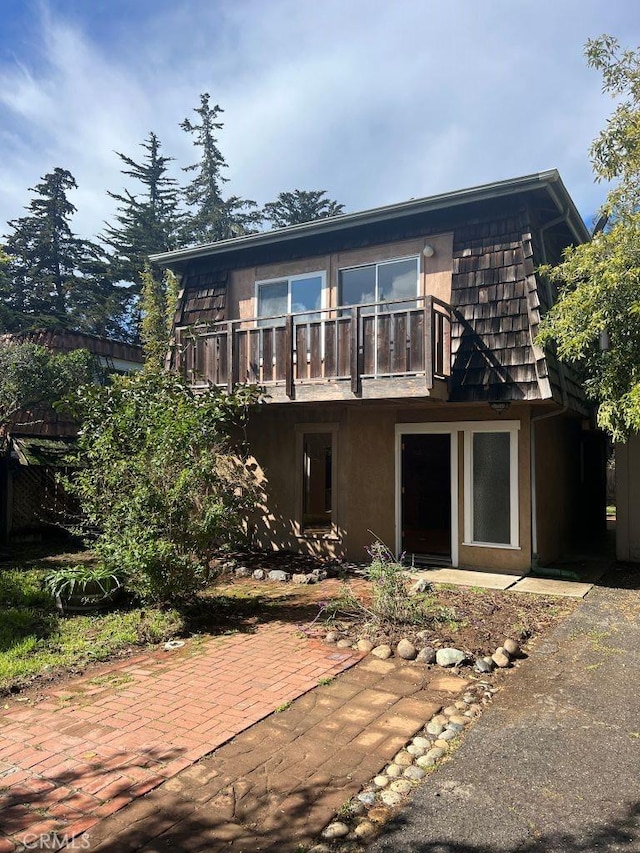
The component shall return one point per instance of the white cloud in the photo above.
(373, 101)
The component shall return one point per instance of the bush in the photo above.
(161, 485)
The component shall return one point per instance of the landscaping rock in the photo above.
(420, 586)
(449, 711)
(319, 574)
(391, 798)
(401, 786)
(344, 644)
(403, 759)
(259, 575)
(365, 830)
(394, 771)
(440, 718)
(364, 645)
(501, 657)
(512, 648)
(382, 652)
(242, 572)
(449, 657)
(441, 744)
(448, 735)
(379, 814)
(416, 751)
(367, 798)
(422, 742)
(337, 829)
(406, 650)
(455, 727)
(459, 719)
(302, 579)
(426, 655)
(381, 781)
(430, 758)
(435, 728)
(279, 575)
(331, 637)
(415, 774)
(482, 665)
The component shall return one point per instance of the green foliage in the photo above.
(83, 581)
(148, 220)
(293, 208)
(157, 307)
(159, 481)
(212, 217)
(391, 603)
(55, 278)
(599, 282)
(32, 376)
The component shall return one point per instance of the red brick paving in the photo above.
(104, 740)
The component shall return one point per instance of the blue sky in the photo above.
(374, 101)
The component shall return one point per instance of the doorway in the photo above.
(425, 497)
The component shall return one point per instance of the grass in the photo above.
(35, 639)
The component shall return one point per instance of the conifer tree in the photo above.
(56, 278)
(298, 206)
(211, 216)
(148, 218)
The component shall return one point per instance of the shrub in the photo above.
(161, 485)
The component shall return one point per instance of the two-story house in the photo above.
(407, 397)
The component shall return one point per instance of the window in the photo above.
(316, 479)
(491, 484)
(294, 294)
(383, 282)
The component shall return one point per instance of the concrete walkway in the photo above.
(554, 765)
(104, 740)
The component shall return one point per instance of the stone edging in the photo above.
(362, 818)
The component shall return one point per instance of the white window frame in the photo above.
(451, 429)
(300, 431)
(281, 279)
(470, 429)
(377, 265)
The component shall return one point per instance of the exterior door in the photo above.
(426, 495)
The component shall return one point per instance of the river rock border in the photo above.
(362, 818)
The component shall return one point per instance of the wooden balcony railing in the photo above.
(376, 350)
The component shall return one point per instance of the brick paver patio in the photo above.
(104, 740)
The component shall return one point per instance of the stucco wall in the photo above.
(558, 481)
(628, 500)
(366, 478)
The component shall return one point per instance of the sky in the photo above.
(374, 101)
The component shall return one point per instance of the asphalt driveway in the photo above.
(554, 765)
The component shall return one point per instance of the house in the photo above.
(407, 397)
(33, 448)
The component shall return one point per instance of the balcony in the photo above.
(374, 351)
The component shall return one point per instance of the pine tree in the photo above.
(147, 221)
(294, 208)
(213, 217)
(56, 278)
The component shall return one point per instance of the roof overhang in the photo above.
(549, 181)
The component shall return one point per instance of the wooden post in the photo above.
(230, 352)
(355, 350)
(428, 342)
(288, 351)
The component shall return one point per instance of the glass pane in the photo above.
(306, 295)
(398, 280)
(357, 286)
(317, 500)
(492, 487)
(273, 299)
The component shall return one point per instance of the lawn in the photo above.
(35, 640)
